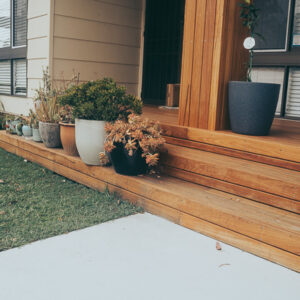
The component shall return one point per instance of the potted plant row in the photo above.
(94, 103)
(252, 105)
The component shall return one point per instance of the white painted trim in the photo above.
(51, 37)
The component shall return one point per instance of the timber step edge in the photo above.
(260, 182)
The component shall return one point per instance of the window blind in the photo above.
(20, 22)
(293, 95)
(5, 77)
(4, 23)
(270, 75)
(20, 78)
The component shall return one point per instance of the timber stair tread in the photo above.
(254, 175)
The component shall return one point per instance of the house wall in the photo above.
(97, 39)
(38, 53)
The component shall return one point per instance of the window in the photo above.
(275, 64)
(5, 77)
(13, 40)
(4, 23)
(19, 23)
(271, 75)
(296, 29)
(293, 94)
(273, 24)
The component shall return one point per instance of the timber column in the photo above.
(213, 54)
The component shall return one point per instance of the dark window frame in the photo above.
(284, 59)
(11, 53)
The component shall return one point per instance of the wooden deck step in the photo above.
(266, 231)
(260, 182)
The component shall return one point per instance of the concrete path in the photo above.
(139, 258)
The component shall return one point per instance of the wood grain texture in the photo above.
(261, 177)
(235, 189)
(234, 153)
(277, 145)
(213, 55)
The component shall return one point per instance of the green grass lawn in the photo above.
(36, 203)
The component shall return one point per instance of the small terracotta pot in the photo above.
(67, 136)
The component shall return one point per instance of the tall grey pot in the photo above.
(50, 134)
(252, 106)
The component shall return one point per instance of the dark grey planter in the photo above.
(252, 106)
(50, 134)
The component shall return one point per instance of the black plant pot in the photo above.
(252, 106)
(128, 165)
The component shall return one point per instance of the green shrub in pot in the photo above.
(94, 103)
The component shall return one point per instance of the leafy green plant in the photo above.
(250, 16)
(134, 134)
(101, 100)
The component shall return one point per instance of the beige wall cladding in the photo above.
(102, 11)
(98, 39)
(95, 52)
(67, 27)
(90, 70)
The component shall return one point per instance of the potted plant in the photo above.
(19, 129)
(47, 111)
(12, 123)
(2, 116)
(27, 126)
(94, 103)
(67, 130)
(35, 127)
(252, 105)
(133, 147)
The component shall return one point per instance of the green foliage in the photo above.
(101, 100)
(249, 15)
(66, 114)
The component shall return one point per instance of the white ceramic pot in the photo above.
(90, 137)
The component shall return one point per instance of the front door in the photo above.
(163, 48)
